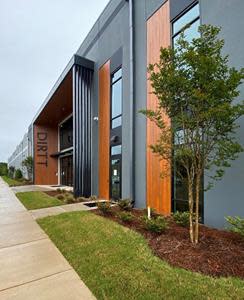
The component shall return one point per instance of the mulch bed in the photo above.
(219, 252)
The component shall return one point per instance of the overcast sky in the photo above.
(37, 39)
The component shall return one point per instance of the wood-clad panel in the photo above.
(158, 189)
(45, 143)
(104, 130)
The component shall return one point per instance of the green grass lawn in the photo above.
(13, 182)
(116, 263)
(35, 200)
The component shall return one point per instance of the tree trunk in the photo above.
(198, 187)
(190, 199)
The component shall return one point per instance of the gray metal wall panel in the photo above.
(151, 6)
(82, 89)
(226, 198)
(177, 6)
(140, 86)
(115, 36)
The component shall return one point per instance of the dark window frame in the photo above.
(63, 133)
(180, 16)
(114, 144)
(112, 83)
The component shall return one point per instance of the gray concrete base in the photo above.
(31, 267)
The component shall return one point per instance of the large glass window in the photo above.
(180, 193)
(190, 18)
(116, 99)
(66, 134)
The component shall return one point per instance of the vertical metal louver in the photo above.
(82, 94)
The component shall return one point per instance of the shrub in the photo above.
(157, 225)
(60, 196)
(59, 190)
(237, 225)
(181, 218)
(82, 199)
(126, 217)
(69, 198)
(93, 198)
(18, 174)
(125, 204)
(104, 207)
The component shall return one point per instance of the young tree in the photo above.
(197, 89)
(28, 163)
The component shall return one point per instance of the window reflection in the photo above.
(116, 99)
(180, 198)
(187, 18)
(190, 33)
(117, 75)
(66, 134)
(116, 150)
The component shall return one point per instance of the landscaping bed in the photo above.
(219, 252)
(37, 200)
(116, 263)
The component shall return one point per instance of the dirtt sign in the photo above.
(42, 148)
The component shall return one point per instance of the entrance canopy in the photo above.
(59, 102)
(71, 95)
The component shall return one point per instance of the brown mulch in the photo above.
(55, 193)
(219, 252)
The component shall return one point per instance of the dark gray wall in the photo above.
(111, 32)
(226, 198)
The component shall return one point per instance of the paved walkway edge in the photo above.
(31, 265)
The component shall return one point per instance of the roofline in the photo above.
(102, 27)
(75, 60)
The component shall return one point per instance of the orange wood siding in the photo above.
(104, 130)
(158, 189)
(45, 144)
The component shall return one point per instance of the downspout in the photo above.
(132, 121)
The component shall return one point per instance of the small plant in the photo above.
(93, 198)
(82, 199)
(104, 207)
(157, 225)
(59, 190)
(237, 225)
(18, 174)
(69, 198)
(125, 204)
(126, 217)
(181, 218)
(60, 196)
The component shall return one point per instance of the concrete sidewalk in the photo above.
(31, 267)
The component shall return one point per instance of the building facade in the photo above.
(89, 132)
(22, 151)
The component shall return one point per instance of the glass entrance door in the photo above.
(66, 170)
